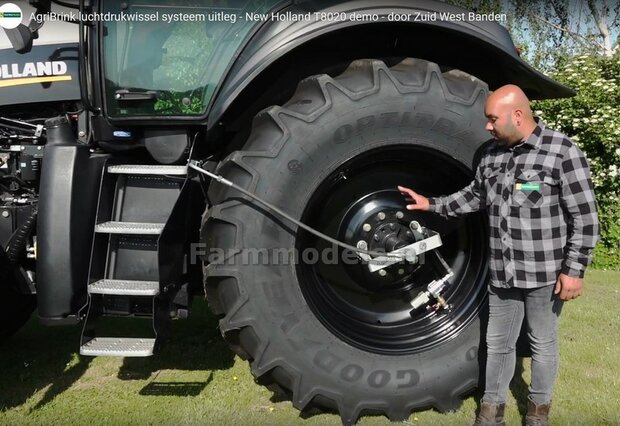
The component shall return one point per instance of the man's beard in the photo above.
(502, 142)
(507, 139)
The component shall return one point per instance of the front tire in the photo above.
(332, 156)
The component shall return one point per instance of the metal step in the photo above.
(144, 169)
(124, 287)
(118, 346)
(136, 228)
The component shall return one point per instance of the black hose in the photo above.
(19, 239)
(83, 80)
(281, 213)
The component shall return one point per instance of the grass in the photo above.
(197, 380)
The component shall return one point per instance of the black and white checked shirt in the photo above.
(541, 208)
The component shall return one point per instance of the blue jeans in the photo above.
(507, 308)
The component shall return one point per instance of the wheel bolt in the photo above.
(401, 271)
(381, 216)
(366, 227)
(361, 244)
(382, 272)
(399, 215)
(414, 225)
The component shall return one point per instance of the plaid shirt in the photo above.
(541, 208)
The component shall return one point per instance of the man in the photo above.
(536, 187)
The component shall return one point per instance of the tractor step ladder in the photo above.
(135, 202)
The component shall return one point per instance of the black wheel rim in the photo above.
(372, 312)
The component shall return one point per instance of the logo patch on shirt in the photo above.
(528, 186)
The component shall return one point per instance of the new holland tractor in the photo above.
(248, 151)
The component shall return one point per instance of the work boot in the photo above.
(537, 415)
(490, 415)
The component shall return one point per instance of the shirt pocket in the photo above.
(491, 183)
(534, 188)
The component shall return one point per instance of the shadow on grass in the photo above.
(195, 344)
(39, 357)
(175, 388)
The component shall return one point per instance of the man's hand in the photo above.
(569, 288)
(421, 203)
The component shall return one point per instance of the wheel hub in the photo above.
(359, 203)
(374, 224)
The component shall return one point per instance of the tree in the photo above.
(600, 12)
(546, 32)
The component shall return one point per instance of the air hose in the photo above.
(433, 290)
(194, 165)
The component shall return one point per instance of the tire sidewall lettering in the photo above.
(353, 373)
(416, 121)
(343, 133)
(410, 378)
(379, 378)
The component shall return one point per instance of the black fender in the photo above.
(483, 49)
(69, 191)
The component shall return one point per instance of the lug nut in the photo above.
(414, 225)
(366, 227)
(5, 213)
(361, 244)
(399, 215)
(381, 216)
(382, 272)
(401, 271)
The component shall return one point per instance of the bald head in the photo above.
(510, 118)
(511, 97)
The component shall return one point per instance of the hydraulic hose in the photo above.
(222, 180)
(18, 241)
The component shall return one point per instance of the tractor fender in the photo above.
(481, 48)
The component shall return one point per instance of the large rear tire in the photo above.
(330, 334)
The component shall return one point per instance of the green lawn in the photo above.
(197, 380)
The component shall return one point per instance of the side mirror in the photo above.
(42, 6)
(21, 38)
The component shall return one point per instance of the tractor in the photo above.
(249, 152)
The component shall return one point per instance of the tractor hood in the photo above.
(46, 74)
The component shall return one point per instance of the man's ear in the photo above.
(518, 116)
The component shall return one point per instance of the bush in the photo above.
(592, 120)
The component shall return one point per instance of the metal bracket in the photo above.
(408, 253)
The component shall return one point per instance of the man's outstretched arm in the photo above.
(468, 200)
